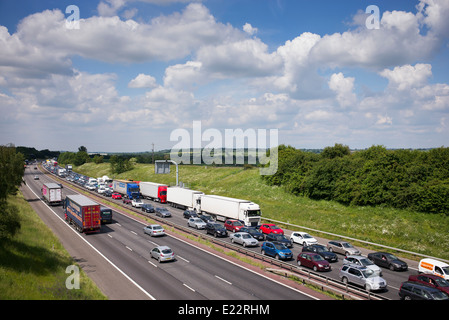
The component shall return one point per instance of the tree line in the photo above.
(410, 179)
(12, 169)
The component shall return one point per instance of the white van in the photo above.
(435, 267)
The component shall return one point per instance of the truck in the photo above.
(68, 167)
(127, 188)
(52, 193)
(83, 213)
(61, 172)
(223, 208)
(184, 198)
(154, 191)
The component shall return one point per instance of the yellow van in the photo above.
(435, 267)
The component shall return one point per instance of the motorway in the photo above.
(118, 260)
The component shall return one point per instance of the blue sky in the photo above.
(137, 70)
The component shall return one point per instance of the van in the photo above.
(106, 214)
(435, 267)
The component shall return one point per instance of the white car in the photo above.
(137, 203)
(303, 238)
(91, 187)
(244, 238)
(101, 190)
(196, 223)
(154, 230)
(363, 262)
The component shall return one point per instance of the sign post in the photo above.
(163, 167)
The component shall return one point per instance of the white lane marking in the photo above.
(183, 259)
(223, 280)
(152, 264)
(189, 287)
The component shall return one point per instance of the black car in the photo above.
(216, 229)
(279, 238)
(418, 291)
(107, 193)
(190, 214)
(387, 260)
(256, 234)
(206, 218)
(146, 207)
(322, 251)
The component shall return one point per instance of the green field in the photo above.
(33, 263)
(413, 231)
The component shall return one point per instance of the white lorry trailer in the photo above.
(222, 208)
(154, 191)
(52, 193)
(184, 198)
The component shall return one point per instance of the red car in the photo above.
(233, 225)
(268, 228)
(116, 195)
(431, 280)
(313, 261)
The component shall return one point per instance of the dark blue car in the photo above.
(277, 250)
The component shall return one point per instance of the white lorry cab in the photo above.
(435, 267)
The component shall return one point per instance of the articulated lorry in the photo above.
(184, 198)
(154, 191)
(222, 208)
(52, 193)
(127, 188)
(83, 213)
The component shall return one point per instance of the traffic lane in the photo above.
(201, 271)
(156, 281)
(111, 281)
(246, 283)
(134, 266)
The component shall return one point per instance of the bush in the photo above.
(414, 179)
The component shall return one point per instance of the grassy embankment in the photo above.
(33, 263)
(404, 229)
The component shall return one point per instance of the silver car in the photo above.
(162, 253)
(342, 247)
(154, 230)
(362, 261)
(362, 276)
(244, 238)
(196, 223)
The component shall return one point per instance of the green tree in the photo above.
(11, 176)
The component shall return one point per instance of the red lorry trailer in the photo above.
(83, 213)
(154, 191)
